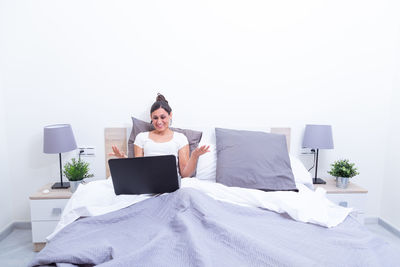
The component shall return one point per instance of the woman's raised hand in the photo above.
(117, 153)
(201, 150)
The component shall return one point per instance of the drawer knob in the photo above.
(56, 211)
(343, 204)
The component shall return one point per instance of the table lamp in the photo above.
(58, 138)
(318, 137)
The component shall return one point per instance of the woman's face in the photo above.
(160, 119)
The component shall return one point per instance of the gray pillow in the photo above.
(139, 126)
(256, 160)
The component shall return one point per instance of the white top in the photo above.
(152, 148)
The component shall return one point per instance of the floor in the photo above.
(17, 249)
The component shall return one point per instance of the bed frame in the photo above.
(119, 137)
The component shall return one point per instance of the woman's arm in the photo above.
(138, 151)
(187, 164)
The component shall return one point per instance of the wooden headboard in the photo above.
(119, 137)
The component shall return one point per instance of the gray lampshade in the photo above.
(58, 138)
(318, 136)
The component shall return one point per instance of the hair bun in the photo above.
(160, 97)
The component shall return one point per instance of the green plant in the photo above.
(77, 170)
(343, 168)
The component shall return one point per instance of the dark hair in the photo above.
(161, 102)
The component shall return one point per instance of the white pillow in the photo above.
(207, 166)
(300, 173)
(207, 163)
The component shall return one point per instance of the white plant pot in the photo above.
(74, 185)
(342, 182)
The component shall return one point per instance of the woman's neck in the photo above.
(163, 133)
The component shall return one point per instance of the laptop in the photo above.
(144, 175)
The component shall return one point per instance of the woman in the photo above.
(163, 141)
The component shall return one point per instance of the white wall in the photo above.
(6, 214)
(390, 207)
(220, 63)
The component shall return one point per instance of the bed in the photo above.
(236, 211)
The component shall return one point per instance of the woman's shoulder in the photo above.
(180, 136)
(143, 135)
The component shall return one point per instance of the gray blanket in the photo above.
(188, 228)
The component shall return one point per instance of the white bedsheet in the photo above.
(98, 197)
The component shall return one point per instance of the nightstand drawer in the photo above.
(47, 209)
(42, 229)
(356, 201)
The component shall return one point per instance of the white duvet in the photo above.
(98, 197)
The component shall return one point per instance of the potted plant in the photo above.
(343, 170)
(76, 171)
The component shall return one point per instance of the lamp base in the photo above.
(318, 181)
(59, 186)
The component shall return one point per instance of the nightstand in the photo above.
(46, 211)
(354, 196)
